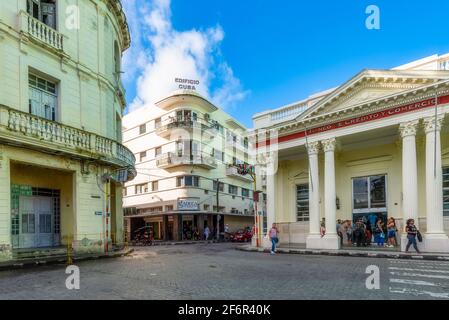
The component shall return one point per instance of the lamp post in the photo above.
(218, 209)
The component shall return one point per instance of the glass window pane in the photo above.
(378, 192)
(302, 202)
(360, 190)
(446, 192)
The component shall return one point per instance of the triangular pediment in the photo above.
(371, 85)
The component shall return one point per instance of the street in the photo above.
(218, 271)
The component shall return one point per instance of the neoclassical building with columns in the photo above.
(376, 146)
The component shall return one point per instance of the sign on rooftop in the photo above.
(187, 84)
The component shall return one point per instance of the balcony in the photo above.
(26, 130)
(171, 160)
(40, 32)
(166, 130)
(233, 173)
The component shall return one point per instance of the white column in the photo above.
(409, 176)
(313, 240)
(331, 239)
(436, 239)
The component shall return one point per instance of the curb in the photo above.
(350, 254)
(30, 263)
(178, 243)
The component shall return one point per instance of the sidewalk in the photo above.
(175, 243)
(58, 259)
(351, 252)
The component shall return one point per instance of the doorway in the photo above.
(36, 222)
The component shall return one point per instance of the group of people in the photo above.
(367, 232)
(373, 230)
(364, 233)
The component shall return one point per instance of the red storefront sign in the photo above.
(359, 120)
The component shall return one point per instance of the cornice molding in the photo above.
(365, 108)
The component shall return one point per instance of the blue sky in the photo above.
(252, 55)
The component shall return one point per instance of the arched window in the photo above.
(117, 61)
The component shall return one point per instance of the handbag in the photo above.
(419, 236)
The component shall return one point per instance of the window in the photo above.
(245, 192)
(369, 194)
(118, 127)
(143, 156)
(233, 189)
(143, 129)
(169, 208)
(206, 207)
(125, 191)
(302, 202)
(446, 191)
(186, 115)
(155, 186)
(141, 188)
(157, 151)
(28, 223)
(188, 181)
(220, 209)
(245, 143)
(157, 123)
(43, 10)
(220, 188)
(43, 97)
(45, 223)
(218, 155)
(117, 62)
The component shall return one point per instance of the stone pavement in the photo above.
(219, 271)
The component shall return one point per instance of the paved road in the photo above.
(218, 271)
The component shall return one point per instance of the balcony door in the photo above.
(42, 97)
(43, 10)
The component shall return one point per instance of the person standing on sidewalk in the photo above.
(412, 232)
(274, 237)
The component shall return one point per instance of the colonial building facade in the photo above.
(187, 150)
(377, 145)
(61, 103)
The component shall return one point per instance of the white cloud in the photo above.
(160, 54)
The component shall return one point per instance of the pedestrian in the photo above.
(412, 232)
(323, 229)
(341, 231)
(206, 233)
(349, 231)
(392, 229)
(359, 232)
(379, 235)
(274, 237)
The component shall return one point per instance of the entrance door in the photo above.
(370, 198)
(45, 222)
(36, 222)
